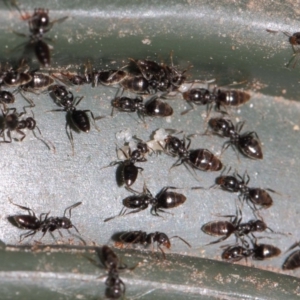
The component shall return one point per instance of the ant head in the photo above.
(164, 240)
(40, 20)
(66, 223)
(260, 225)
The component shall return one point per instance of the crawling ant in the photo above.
(248, 143)
(293, 260)
(43, 223)
(128, 172)
(258, 252)
(164, 199)
(11, 122)
(227, 228)
(236, 183)
(141, 237)
(77, 120)
(115, 286)
(153, 107)
(202, 96)
(201, 159)
(39, 24)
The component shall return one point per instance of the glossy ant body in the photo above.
(165, 199)
(128, 172)
(141, 237)
(153, 107)
(201, 159)
(235, 226)
(248, 143)
(202, 96)
(236, 183)
(258, 252)
(293, 260)
(77, 120)
(43, 223)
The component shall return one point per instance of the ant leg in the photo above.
(188, 110)
(25, 235)
(162, 251)
(219, 240)
(21, 133)
(30, 211)
(47, 143)
(70, 137)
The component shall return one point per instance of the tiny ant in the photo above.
(293, 260)
(201, 159)
(258, 252)
(164, 199)
(236, 183)
(153, 107)
(11, 122)
(201, 96)
(43, 223)
(141, 237)
(248, 143)
(227, 228)
(39, 24)
(77, 120)
(127, 172)
(115, 286)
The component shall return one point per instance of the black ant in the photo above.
(236, 183)
(115, 286)
(201, 159)
(164, 199)
(227, 228)
(43, 223)
(258, 252)
(202, 96)
(127, 171)
(153, 107)
(293, 260)
(39, 24)
(77, 120)
(141, 237)
(11, 122)
(248, 143)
